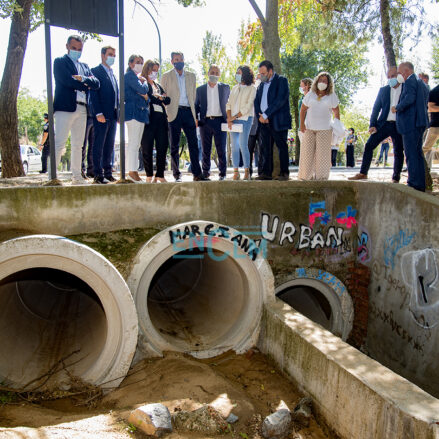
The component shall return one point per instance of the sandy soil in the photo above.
(247, 385)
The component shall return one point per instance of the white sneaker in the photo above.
(105, 180)
(79, 181)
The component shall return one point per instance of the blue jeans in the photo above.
(240, 142)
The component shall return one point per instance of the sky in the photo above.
(183, 29)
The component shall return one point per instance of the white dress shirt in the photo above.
(110, 74)
(184, 101)
(395, 94)
(80, 95)
(213, 102)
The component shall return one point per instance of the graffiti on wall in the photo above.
(323, 276)
(393, 244)
(318, 211)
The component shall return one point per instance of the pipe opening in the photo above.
(50, 320)
(197, 299)
(310, 302)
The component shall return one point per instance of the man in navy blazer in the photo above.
(411, 121)
(73, 80)
(105, 112)
(272, 108)
(382, 125)
(210, 108)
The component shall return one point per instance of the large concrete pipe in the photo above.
(199, 288)
(321, 297)
(65, 311)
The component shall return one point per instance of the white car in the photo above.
(31, 158)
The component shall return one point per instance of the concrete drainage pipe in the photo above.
(199, 288)
(64, 311)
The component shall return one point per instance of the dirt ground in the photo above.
(247, 385)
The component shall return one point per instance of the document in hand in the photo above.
(236, 128)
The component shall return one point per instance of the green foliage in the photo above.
(187, 3)
(213, 51)
(30, 115)
(434, 65)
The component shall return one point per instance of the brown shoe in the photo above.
(246, 174)
(358, 177)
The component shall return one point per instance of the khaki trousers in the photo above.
(430, 140)
(315, 155)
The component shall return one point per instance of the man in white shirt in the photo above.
(210, 107)
(382, 125)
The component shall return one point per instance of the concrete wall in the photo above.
(355, 396)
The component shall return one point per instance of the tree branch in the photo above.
(258, 12)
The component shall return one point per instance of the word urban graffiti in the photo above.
(318, 211)
(421, 274)
(323, 276)
(195, 237)
(394, 243)
(388, 319)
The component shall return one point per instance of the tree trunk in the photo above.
(271, 43)
(389, 52)
(296, 132)
(9, 143)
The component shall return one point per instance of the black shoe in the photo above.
(263, 177)
(90, 174)
(110, 178)
(99, 180)
(282, 177)
(222, 177)
(43, 172)
(178, 179)
(201, 178)
(83, 174)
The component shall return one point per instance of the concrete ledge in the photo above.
(357, 397)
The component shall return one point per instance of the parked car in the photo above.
(31, 158)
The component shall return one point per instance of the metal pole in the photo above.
(122, 90)
(52, 170)
(158, 32)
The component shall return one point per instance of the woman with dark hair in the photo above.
(351, 140)
(315, 124)
(136, 113)
(240, 112)
(157, 129)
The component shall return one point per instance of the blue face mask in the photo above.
(238, 78)
(75, 55)
(110, 60)
(393, 82)
(179, 65)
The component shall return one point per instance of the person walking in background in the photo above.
(44, 146)
(411, 121)
(317, 107)
(334, 152)
(240, 112)
(382, 125)
(272, 108)
(156, 132)
(180, 86)
(73, 80)
(351, 141)
(304, 89)
(136, 113)
(384, 152)
(210, 108)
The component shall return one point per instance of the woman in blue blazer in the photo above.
(136, 113)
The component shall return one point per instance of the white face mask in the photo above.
(153, 76)
(138, 68)
(400, 78)
(322, 86)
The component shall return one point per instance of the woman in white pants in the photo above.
(136, 113)
(317, 106)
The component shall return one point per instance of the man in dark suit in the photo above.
(411, 121)
(382, 125)
(210, 108)
(73, 80)
(105, 111)
(272, 108)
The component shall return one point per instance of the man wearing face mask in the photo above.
(411, 121)
(180, 86)
(382, 125)
(210, 108)
(73, 81)
(272, 108)
(105, 112)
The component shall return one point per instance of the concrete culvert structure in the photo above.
(65, 311)
(200, 293)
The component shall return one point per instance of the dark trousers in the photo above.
(269, 136)
(350, 160)
(253, 147)
(155, 132)
(212, 129)
(334, 153)
(45, 154)
(88, 139)
(105, 134)
(184, 120)
(387, 130)
(415, 158)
